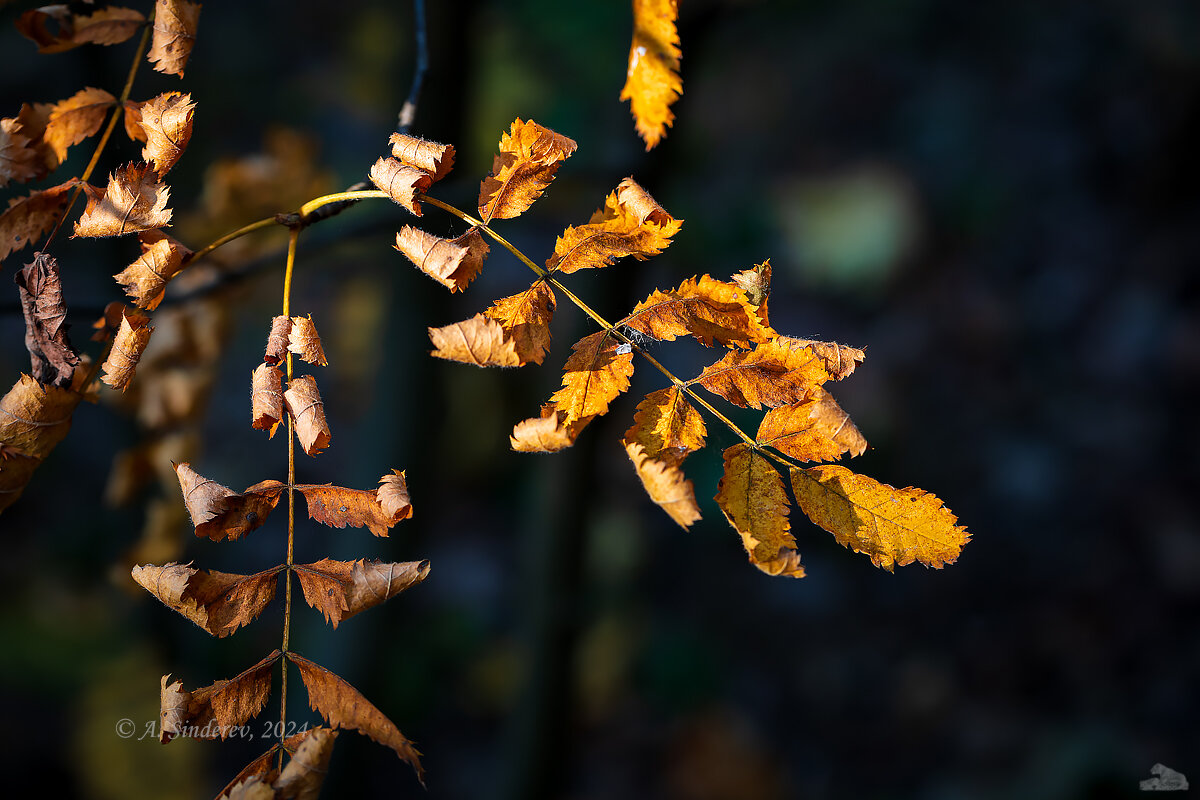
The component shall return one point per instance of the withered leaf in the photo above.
(210, 712)
(525, 318)
(45, 313)
(76, 118)
(341, 589)
(277, 339)
(33, 419)
(266, 399)
(774, 373)
(106, 26)
(166, 121)
(401, 182)
(480, 340)
(135, 200)
(529, 156)
(667, 426)
(146, 279)
(251, 788)
(665, 484)
(840, 360)
(175, 23)
(261, 772)
(595, 374)
(218, 602)
(756, 283)
(308, 414)
(220, 513)
(304, 341)
(27, 218)
(652, 80)
(544, 434)
(815, 429)
(703, 307)
(453, 263)
(18, 161)
(304, 774)
(131, 118)
(127, 347)
(893, 526)
(343, 706)
(376, 510)
(630, 224)
(431, 157)
(752, 497)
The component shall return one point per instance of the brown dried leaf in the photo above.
(392, 496)
(27, 218)
(401, 182)
(301, 779)
(76, 118)
(667, 426)
(752, 498)
(703, 307)
(756, 283)
(220, 513)
(219, 602)
(251, 788)
(453, 263)
(525, 318)
(652, 80)
(304, 341)
(529, 156)
(45, 313)
(261, 771)
(166, 121)
(34, 117)
(132, 120)
(840, 360)
(277, 339)
(308, 414)
(595, 374)
(343, 706)
(106, 26)
(376, 510)
(35, 417)
(146, 279)
(479, 340)
(19, 162)
(131, 340)
(175, 23)
(341, 589)
(431, 157)
(773, 374)
(665, 484)
(135, 200)
(630, 224)
(266, 399)
(815, 429)
(211, 712)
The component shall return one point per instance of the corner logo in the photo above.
(1165, 780)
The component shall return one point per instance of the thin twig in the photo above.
(291, 536)
(408, 112)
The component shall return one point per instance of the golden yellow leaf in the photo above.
(27, 218)
(127, 347)
(705, 308)
(431, 157)
(752, 497)
(135, 200)
(106, 26)
(665, 484)
(220, 513)
(667, 426)
(341, 589)
(595, 374)
(166, 121)
(615, 231)
(76, 118)
(529, 156)
(544, 434)
(146, 279)
(266, 399)
(218, 602)
(211, 712)
(479, 340)
(815, 429)
(774, 373)
(376, 510)
(652, 80)
(401, 182)
(840, 360)
(525, 317)
(307, 410)
(453, 263)
(175, 23)
(893, 526)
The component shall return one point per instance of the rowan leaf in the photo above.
(529, 156)
(106, 26)
(261, 772)
(401, 182)
(665, 484)
(212, 711)
(624, 227)
(595, 374)
(454, 263)
(277, 339)
(45, 311)
(35, 417)
(127, 347)
(545, 434)
(135, 200)
(304, 774)
(480, 340)
(175, 23)
(703, 307)
(774, 373)
(840, 360)
(652, 80)
(266, 399)
(667, 426)
(28, 218)
(376, 510)
(430, 157)
(19, 162)
(343, 706)
(304, 404)
(752, 497)
(893, 526)
(34, 117)
(814, 429)
(219, 513)
(756, 283)
(75, 119)
(218, 602)
(341, 589)
(146, 279)
(166, 121)
(304, 341)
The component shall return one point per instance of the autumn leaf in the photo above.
(529, 156)
(430, 157)
(166, 121)
(33, 419)
(892, 526)
(814, 429)
(343, 706)
(376, 510)
(401, 182)
(454, 263)
(703, 307)
(479, 340)
(266, 399)
(106, 26)
(774, 373)
(595, 374)
(131, 340)
(756, 283)
(304, 404)
(220, 513)
(525, 317)
(76, 118)
(146, 279)
(667, 426)
(261, 772)
(212, 711)
(175, 23)
(34, 117)
(135, 200)
(665, 484)
(304, 341)
(545, 434)
(131, 119)
(840, 360)
(277, 339)
(18, 161)
(341, 589)
(652, 80)
(305, 772)
(218, 602)
(45, 311)
(28, 218)
(630, 224)
(752, 497)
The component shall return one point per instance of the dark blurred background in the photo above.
(999, 201)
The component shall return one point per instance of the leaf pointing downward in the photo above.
(665, 484)
(595, 374)
(652, 81)
(175, 23)
(815, 429)
(50, 351)
(752, 498)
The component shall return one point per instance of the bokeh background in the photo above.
(999, 201)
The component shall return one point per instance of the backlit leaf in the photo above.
(146, 279)
(525, 318)
(134, 201)
(431, 157)
(707, 309)
(665, 484)
(33, 419)
(667, 426)
(19, 162)
(545, 434)
(220, 513)
(454, 263)
(166, 121)
(307, 410)
(76, 118)
(127, 347)
(341, 589)
(595, 374)
(619, 229)
(479, 340)
(305, 772)
(376, 510)
(175, 23)
(401, 182)
(218, 602)
(304, 341)
(529, 156)
(652, 80)
(27, 218)
(111, 25)
(774, 373)
(752, 497)
(266, 399)
(212, 711)
(815, 429)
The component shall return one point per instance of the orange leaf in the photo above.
(135, 200)
(166, 122)
(305, 772)
(19, 162)
(815, 429)
(175, 23)
(376, 510)
(892, 526)
(774, 373)
(146, 279)
(595, 374)
(529, 156)
(545, 434)
(40, 290)
(431, 157)
(341, 589)
(665, 484)
(131, 118)
(525, 317)
(304, 341)
(76, 118)
(110, 25)
(266, 399)
(479, 340)
(220, 513)
(401, 182)
(652, 80)
(756, 283)
(33, 419)
(34, 117)
(211, 712)
(131, 340)
(27, 218)
(454, 263)
(615, 231)
(343, 706)
(702, 307)
(277, 339)
(667, 426)
(840, 360)
(219, 602)
(308, 413)
(752, 498)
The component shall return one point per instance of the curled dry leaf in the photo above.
(479, 340)
(106, 26)
(341, 589)
(893, 526)
(277, 339)
(305, 772)
(392, 496)
(304, 341)
(752, 498)
(703, 307)
(529, 156)
(343, 706)
(756, 283)
(431, 157)
(75, 119)
(218, 602)
(453, 263)
(308, 414)
(131, 340)
(135, 200)
(401, 182)
(261, 771)
(630, 224)
(45, 311)
(146, 279)
(652, 80)
(18, 161)
(815, 429)
(220, 513)
(211, 712)
(544, 434)
(33, 419)
(28, 218)
(376, 510)
(166, 122)
(665, 484)
(840, 360)
(175, 23)
(595, 374)
(252, 788)
(266, 399)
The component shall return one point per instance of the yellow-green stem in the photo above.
(324, 200)
(229, 237)
(294, 234)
